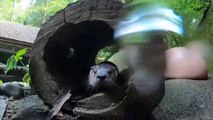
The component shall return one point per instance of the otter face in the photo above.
(103, 75)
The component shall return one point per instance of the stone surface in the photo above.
(3, 105)
(28, 108)
(186, 100)
(12, 89)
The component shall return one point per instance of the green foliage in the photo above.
(33, 17)
(13, 61)
(105, 53)
(192, 13)
(36, 14)
(26, 78)
(20, 53)
(39, 13)
(1, 82)
(6, 9)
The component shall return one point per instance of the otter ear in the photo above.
(92, 67)
(117, 72)
(116, 69)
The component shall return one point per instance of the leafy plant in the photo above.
(1, 82)
(26, 78)
(33, 12)
(14, 60)
(105, 53)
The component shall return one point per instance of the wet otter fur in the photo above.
(103, 75)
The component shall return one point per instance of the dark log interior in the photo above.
(84, 39)
(72, 50)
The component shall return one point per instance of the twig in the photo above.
(62, 98)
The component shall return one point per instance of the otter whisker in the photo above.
(103, 75)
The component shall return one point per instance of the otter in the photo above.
(103, 75)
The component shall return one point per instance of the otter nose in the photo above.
(101, 78)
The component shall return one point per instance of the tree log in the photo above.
(65, 48)
(107, 11)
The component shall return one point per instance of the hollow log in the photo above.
(96, 15)
(65, 49)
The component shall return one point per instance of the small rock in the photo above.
(12, 89)
(27, 108)
(3, 104)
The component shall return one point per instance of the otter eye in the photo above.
(95, 71)
(110, 72)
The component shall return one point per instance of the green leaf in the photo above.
(21, 52)
(1, 82)
(16, 58)
(11, 64)
(20, 58)
(26, 78)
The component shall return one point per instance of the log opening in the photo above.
(72, 50)
(76, 44)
